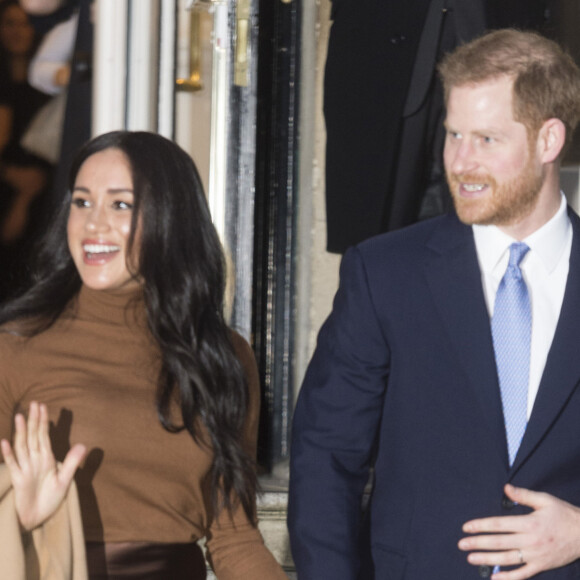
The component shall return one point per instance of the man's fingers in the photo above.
(503, 558)
(522, 573)
(501, 524)
(527, 497)
(491, 542)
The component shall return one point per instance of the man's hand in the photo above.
(40, 485)
(547, 538)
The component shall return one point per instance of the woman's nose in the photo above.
(97, 219)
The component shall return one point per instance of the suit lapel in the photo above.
(562, 371)
(454, 278)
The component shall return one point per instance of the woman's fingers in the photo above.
(20, 446)
(40, 485)
(71, 463)
(9, 458)
(44, 443)
(32, 427)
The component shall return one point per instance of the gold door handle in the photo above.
(241, 64)
(193, 82)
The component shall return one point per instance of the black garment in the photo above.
(382, 153)
(42, 24)
(24, 101)
(77, 120)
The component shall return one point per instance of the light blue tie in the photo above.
(511, 327)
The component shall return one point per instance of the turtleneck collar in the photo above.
(124, 307)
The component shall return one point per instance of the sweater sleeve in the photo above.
(7, 395)
(236, 550)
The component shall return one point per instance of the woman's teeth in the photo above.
(100, 248)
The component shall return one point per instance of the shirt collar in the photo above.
(547, 242)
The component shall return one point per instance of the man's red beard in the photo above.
(500, 205)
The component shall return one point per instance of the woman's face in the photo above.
(99, 223)
(16, 32)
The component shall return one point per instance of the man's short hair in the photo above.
(546, 79)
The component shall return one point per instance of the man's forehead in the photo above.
(486, 107)
(492, 98)
(496, 80)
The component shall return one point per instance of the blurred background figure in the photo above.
(77, 27)
(50, 68)
(24, 177)
(70, 41)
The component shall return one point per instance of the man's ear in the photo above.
(551, 140)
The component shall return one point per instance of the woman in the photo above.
(121, 335)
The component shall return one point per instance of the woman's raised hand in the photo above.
(40, 484)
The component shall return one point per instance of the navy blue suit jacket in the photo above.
(404, 378)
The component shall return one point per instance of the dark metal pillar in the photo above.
(275, 220)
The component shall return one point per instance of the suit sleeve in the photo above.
(334, 430)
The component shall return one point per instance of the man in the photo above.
(476, 459)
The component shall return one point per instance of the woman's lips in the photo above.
(98, 253)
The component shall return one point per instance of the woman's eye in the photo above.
(80, 202)
(122, 205)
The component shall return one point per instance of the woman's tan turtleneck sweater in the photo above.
(96, 370)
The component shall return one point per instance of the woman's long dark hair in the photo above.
(182, 267)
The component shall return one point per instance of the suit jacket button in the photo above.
(484, 571)
(507, 503)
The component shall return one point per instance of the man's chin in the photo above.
(470, 212)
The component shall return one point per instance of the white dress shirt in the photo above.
(545, 270)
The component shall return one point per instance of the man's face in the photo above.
(493, 170)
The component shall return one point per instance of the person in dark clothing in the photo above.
(24, 177)
(77, 119)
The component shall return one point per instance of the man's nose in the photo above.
(462, 158)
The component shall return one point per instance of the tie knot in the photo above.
(517, 252)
